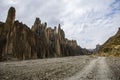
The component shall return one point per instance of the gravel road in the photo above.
(67, 68)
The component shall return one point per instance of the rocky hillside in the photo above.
(19, 42)
(112, 46)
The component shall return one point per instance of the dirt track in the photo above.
(67, 68)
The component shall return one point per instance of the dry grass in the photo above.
(102, 54)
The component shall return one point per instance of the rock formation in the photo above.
(96, 50)
(112, 46)
(19, 42)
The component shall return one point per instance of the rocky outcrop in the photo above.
(96, 50)
(19, 42)
(112, 46)
(54, 42)
(10, 20)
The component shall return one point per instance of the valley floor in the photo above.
(67, 68)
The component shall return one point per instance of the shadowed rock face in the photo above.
(10, 19)
(19, 42)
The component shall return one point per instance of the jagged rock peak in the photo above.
(45, 24)
(59, 26)
(119, 29)
(118, 32)
(10, 19)
(11, 15)
(37, 21)
(36, 25)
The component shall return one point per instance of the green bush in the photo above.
(105, 50)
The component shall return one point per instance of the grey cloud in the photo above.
(82, 20)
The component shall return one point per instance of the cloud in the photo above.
(88, 21)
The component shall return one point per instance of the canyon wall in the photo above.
(19, 42)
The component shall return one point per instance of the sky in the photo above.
(90, 22)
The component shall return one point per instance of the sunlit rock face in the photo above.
(16, 39)
(19, 42)
(112, 46)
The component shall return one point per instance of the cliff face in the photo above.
(112, 46)
(16, 40)
(19, 42)
(53, 41)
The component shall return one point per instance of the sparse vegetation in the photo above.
(111, 47)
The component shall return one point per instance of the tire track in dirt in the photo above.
(96, 70)
(103, 71)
